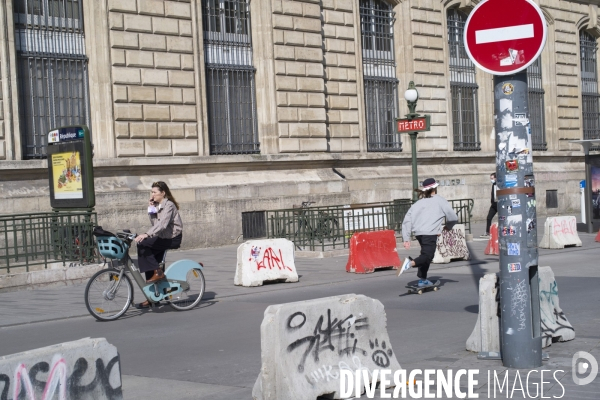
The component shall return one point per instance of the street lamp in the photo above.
(411, 95)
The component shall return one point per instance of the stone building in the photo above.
(245, 105)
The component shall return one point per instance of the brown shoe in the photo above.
(145, 304)
(158, 275)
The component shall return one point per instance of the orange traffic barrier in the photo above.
(598, 237)
(492, 246)
(371, 250)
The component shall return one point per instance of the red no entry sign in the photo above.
(503, 37)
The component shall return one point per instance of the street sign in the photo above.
(503, 37)
(419, 124)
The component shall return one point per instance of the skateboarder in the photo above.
(425, 219)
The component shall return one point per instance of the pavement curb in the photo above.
(47, 277)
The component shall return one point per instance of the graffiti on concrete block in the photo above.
(271, 259)
(452, 244)
(58, 383)
(554, 321)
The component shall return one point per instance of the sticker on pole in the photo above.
(503, 37)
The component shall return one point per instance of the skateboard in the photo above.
(421, 290)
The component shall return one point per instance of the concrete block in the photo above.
(142, 130)
(128, 112)
(176, 44)
(130, 148)
(289, 145)
(285, 83)
(167, 61)
(8, 281)
(486, 335)
(122, 5)
(560, 232)
(165, 26)
(151, 7)
(141, 94)
(292, 38)
(169, 95)
(187, 62)
(287, 114)
(154, 77)
(156, 113)
(283, 52)
(181, 78)
(121, 130)
(128, 76)
(189, 96)
(451, 245)
(283, 22)
(312, 115)
(117, 57)
(297, 99)
(82, 272)
(307, 24)
(158, 147)
(82, 369)
(333, 17)
(120, 94)
(170, 131)
(124, 40)
(555, 325)
(291, 8)
(316, 99)
(185, 28)
(152, 42)
(185, 147)
(183, 113)
(310, 84)
(313, 145)
(294, 368)
(137, 23)
(139, 59)
(308, 54)
(115, 21)
(191, 131)
(314, 69)
(178, 9)
(259, 261)
(46, 276)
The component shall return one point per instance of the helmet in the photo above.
(112, 247)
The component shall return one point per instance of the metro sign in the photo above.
(419, 124)
(503, 37)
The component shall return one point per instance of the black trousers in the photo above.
(491, 213)
(152, 250)
(428, 243)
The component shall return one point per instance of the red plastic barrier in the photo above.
(598, 237)
(371, 250)
(492, 246)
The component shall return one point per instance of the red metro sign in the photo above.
(503, 37)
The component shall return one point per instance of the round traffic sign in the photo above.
(503, 37)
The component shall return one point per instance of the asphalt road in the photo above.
(213, 352)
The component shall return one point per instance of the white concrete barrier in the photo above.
(79, 370)
(555, 326)
(451, 245)
(486, 335)
(265, 260)
(305, 345)
(560, 232)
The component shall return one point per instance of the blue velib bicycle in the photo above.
(109, 292)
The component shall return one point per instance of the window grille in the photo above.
(463, 87)
(379, 73)
(589, 87)
(536, 105)
(230, 84)
(52, 69)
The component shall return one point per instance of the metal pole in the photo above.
(415, 174)
(521, 341)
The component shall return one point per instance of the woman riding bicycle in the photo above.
(165, 233)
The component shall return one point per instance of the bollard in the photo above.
(521, 341)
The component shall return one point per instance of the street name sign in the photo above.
(503, 37)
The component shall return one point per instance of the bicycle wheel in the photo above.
(190, 298)
(107, 297)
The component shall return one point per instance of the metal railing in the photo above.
(331, 227)
(44, 238)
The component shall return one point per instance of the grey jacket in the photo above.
(167, 222)
(426, 217)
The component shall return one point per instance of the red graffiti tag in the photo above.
(271, 261)
(565, 227)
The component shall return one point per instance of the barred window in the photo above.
(230, 87)
(463, 87)
(379, 73)
(52, 69)
(589, 87)
(536, 105)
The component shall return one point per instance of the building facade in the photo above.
(246, 105)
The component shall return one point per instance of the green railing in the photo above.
(43, 238)
(331, 227)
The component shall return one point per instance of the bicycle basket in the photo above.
(112, 247)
